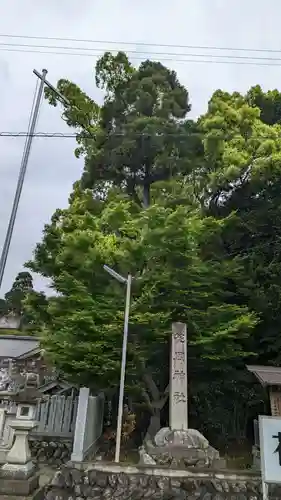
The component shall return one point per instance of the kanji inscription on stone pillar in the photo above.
(178, 378)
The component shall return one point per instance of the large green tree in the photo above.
(155, 199)
(141, 134)
(14, 298)
(180, 274)
(241, 175)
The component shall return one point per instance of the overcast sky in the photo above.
(53, 168)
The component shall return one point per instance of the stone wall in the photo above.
(51, 451)
(101, 481)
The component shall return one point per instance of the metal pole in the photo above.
(123, 369)
(21, 178)
(264, 490)
(60, 96)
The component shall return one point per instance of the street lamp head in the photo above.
(114, 274)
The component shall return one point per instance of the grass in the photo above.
(15, 331)
(10, 331)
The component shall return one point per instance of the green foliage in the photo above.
(192, 210)
(140, 135)
(238, 148)
(224, 403)
(13, 302)
(113, 73)
(164, 248)
(3, 307)
(242, 172)
(269, 104)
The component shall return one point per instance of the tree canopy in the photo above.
(13, 302)
(140, 135)
(191, 208)
(243, 179)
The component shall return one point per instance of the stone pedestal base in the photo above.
(181, 449)
(12, 484)
(3, 455)
(18, 475)
(19, 453)
(22, 471)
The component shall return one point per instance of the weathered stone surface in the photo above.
(181, 449)
(21, 487)
(51, 452)
(59, 480)
(177, 446)
(100, 481)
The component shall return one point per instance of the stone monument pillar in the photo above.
(178, 379)
(177, 445)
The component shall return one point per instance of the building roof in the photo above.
(267, 375)
(59, 384)
(14, 346)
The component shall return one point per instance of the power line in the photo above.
(150, 54)
(96, 56)
(57, 135)
(139, 44)
(184, 136)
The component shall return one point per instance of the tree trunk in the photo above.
(156, 402)
(154, 426)
(146, 186)
(146, 195)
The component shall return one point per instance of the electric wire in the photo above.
(88, 136)
(250, 61)
(140, 44)
(151, 54)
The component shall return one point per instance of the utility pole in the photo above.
(24, 164)
(46, 82)
(21, 177)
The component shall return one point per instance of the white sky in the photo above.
(53, 168)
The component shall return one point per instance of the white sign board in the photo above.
(270, 448)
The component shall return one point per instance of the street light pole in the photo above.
(128, 282)
(123, 370)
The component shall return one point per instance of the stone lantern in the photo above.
(19, 456)
(20, 389)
